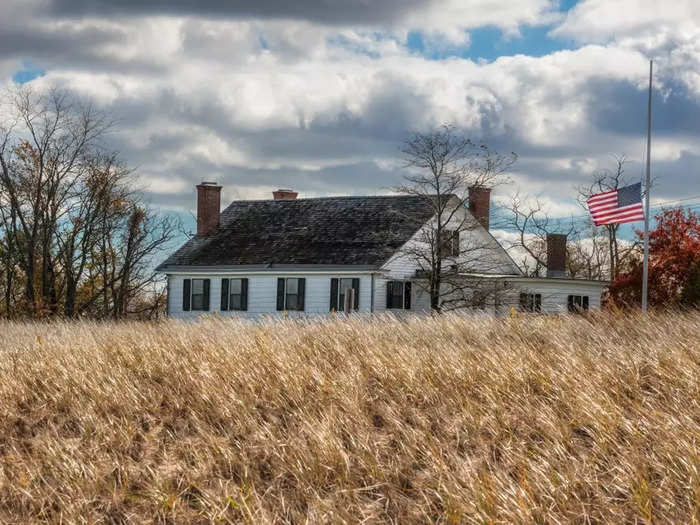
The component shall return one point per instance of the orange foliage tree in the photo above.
(674, 253)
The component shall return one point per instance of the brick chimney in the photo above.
(480, 203)
(284, 195)
(208, 207)
(556, 255)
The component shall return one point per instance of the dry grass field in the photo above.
(518, 420)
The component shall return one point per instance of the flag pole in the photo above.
(647, 187)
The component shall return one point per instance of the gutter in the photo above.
(268, 268)
(269, 272)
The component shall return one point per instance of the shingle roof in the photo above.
(362, 231)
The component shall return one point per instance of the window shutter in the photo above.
(244, 294)
(585, 302)
(186, 283)
(523, 302)
(571, 303)
(334, 295)
(389, 287)
(302, 286)
(224, 295)
(356, 287)
(206, 295)
(280, 294)
(407, 295)
(445, 240)
(455, 243)
(538, 302)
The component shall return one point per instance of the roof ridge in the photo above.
(329, 197)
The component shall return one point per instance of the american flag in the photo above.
(617, 206)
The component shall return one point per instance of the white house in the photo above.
(301, 257)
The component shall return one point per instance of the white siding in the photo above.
(262, 294)
(555, 293)
(420, 299)
(483, 251)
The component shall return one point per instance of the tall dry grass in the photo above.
(537, 419)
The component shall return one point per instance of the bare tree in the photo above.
(587, 253)
(66, 207)
(442, 167)
(531, 223)
(41, 153)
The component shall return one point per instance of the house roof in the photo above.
(353, 231)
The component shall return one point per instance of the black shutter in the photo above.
(224, 295)
(538, 302)
(455, 243)
(244, 294)
(334, 295)
(570, 303)
(389, 287)
(356, 287)
(206, 295)
(186, 295)
(280, 294)
(585, 302)
(300, 300)
(407, 295)
(524, 301)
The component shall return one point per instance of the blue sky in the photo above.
(27, 73)
(491, 42)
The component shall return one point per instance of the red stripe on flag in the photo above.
(632, 218)
(618, 211)
(598, 211)
(596, 205)
(628, 216)
(621, 214)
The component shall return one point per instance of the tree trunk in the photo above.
(69, 307)
(8, 285)
(30, 273)
(435, 281)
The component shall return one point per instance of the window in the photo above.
(398, 295)
(449, 245)
(530, 302)
(338, 290)
(578, 303)
(290, 294)
(234, 294)
(195, 295)
(479, 299)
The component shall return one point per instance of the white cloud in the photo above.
(266, 102)
(605, 20)
(449, 16)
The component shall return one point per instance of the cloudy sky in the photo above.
(318, 95)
